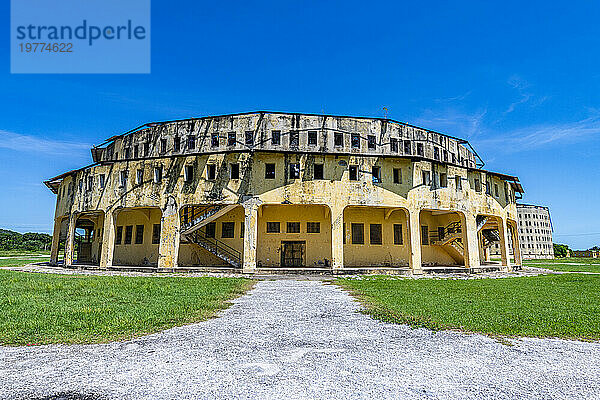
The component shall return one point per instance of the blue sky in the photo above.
(520, 80)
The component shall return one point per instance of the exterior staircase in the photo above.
(193, 218)
(451, 241)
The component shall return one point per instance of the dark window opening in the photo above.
(371, 142)
(394, 145)
(176, 144)
(496, 190)
(228, 230)
(420, 149)
(293, 227)
(139, 234)
(376, 173)
(269, 171)
(146, 149)
(211, 172)
(249, 138)
(294, 171)
(477, 185)
(353, 172)
(397, 175)
(102, 180)
(441, 232)
(375, 234)
(163, 145)
(443, 180)
(358, 236)
(189, 173)
(273, 227)
(214, 139)
(294, 139)
(313, 227)
(424, 235)
(398, 234)
(242, 228)
(231, 139)
(276, 138)
(191, 142)
(127, 152)
(128, 234)
(139, 176)
(407, 147)
(318, 171)
(338, 139)
(425, 178)
(156, 234)
(458, 182)
(312, 138)
(136, 151)
(234, 171)
(119, 235)
(158, 174)
(211, 228)
(355, 141)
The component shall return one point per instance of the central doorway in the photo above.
(292, 253)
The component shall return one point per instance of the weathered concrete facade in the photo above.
(264, 191)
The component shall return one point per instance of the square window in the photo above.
(318, 171)
(128, 234)
(276, 138)
(139, 176)
(394, 145)
(234, 171)
(294, 171)
(353, 172)
(424, 235)
(228, 230)
(231, 139)
(312, 138)
(214, 139)
(375, 234)
(269, 171)
(313, 227)
(249, 138)
(294, 139)
(119, 235)
(163, 145)
(211, 227)
(189, 173)
(158, 174)
(191, 142)
(398, 234)
(397, 175)
(358, 236)
(371, 142)
(211, 172)
(376, 174)
(293, 227)
(156, 234)
(407, 147)
(176, 144)
(338, 139)
(355, 141)
(139, 234)
(273, 227)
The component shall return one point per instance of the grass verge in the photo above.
(49, 308)
(564, 306)
(567, 264)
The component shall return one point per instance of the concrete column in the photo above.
(108, 239)
(250, 236)
(503, 229)
(168, 248)
(70, 242)
(470, 241)
(337, 239)
(414, 240)
(55, 241)
(516, 246)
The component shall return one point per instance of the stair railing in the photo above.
(190, 214)
(215, 246)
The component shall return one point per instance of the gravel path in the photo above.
(303, 339)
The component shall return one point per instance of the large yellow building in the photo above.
(263, 192)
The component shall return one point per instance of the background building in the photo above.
(266, 191)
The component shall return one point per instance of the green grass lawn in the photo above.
(566, 306)
(567, 264)
(49, 308)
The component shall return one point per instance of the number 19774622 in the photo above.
(46, 47)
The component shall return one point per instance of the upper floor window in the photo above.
(211, 172)
(163, 145)
(318, 171)
(338, 139)
(231, 139)
(496, 192)
(477, 185)
(312, 138)
(191, 142)
(397, 175)
(158, 174)
(269, 171)
(420, 149)
(249, 138)
(353, 172)
(371, 142)
(436, 153)
(177, 143)
(394, 145)
(139, 176)
(458, 182)
(102, 181)
(214, 139)
(294, 171)
(443, 180)
(407, 147)
(188, 173)
(123, 178)
(276, 138)
(234, 171)
(376, 173)
(355, 141)
(127, 152)
(146, 149)
(425, 178)
(136, 151)
(294, 139)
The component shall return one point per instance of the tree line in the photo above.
(10, 240)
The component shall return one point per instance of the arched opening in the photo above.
(443, 238)
(137, 236)
(88, 238)
(376, 237)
